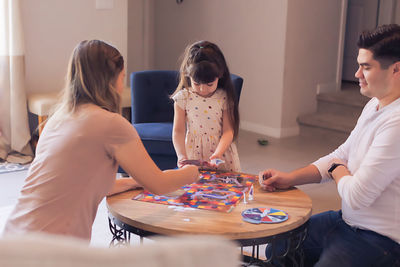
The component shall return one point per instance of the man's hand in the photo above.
(272, 179)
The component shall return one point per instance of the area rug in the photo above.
(12, 167)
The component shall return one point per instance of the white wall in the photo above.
(271, 44)
(135, 35)
(397, 12)
(53, 28)
(311, 56)
(251, 35)
(140, 35)
(283, 49)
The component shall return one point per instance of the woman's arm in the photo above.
(135, 160)
(226, 138)
(123, 184)
(179, 132)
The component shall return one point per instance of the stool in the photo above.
(126, 103)
(41, 104)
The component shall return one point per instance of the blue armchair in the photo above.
(153, 112)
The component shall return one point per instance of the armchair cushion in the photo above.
(153, 113)
(156, 137)
(151, 92)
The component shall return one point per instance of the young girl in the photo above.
(206, 119)
(80, 149)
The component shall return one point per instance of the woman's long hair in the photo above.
(93, 69)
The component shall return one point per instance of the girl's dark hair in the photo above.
(383, 42)
(203, 61)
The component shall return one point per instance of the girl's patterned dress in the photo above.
(204, 127)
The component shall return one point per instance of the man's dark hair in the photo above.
(383, 42)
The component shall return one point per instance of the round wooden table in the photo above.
(146, 219)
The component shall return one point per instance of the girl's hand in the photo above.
(212, 165)
(215, 156)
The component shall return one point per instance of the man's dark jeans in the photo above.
(332, 242)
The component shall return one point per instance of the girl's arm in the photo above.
(135, 160)
(226, 138)
(179, 132)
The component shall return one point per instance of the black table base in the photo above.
(291, 256)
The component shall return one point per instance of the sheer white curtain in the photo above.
(14, 127)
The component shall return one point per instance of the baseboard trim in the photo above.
(269, 131)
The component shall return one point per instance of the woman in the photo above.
(81, 147)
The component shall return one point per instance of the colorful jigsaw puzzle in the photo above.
(213, 191)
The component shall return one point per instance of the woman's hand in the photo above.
(194, 171)
(272, 179)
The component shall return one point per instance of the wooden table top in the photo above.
(163, 220)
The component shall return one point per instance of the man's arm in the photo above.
(340, 171)
(377, 171)
(271, 179)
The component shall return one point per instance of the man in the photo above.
(366, 169)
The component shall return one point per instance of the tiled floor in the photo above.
(283, 154)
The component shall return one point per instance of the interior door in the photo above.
(361, 15)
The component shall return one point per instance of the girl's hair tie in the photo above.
(201, 46)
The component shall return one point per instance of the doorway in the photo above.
(361, 15)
